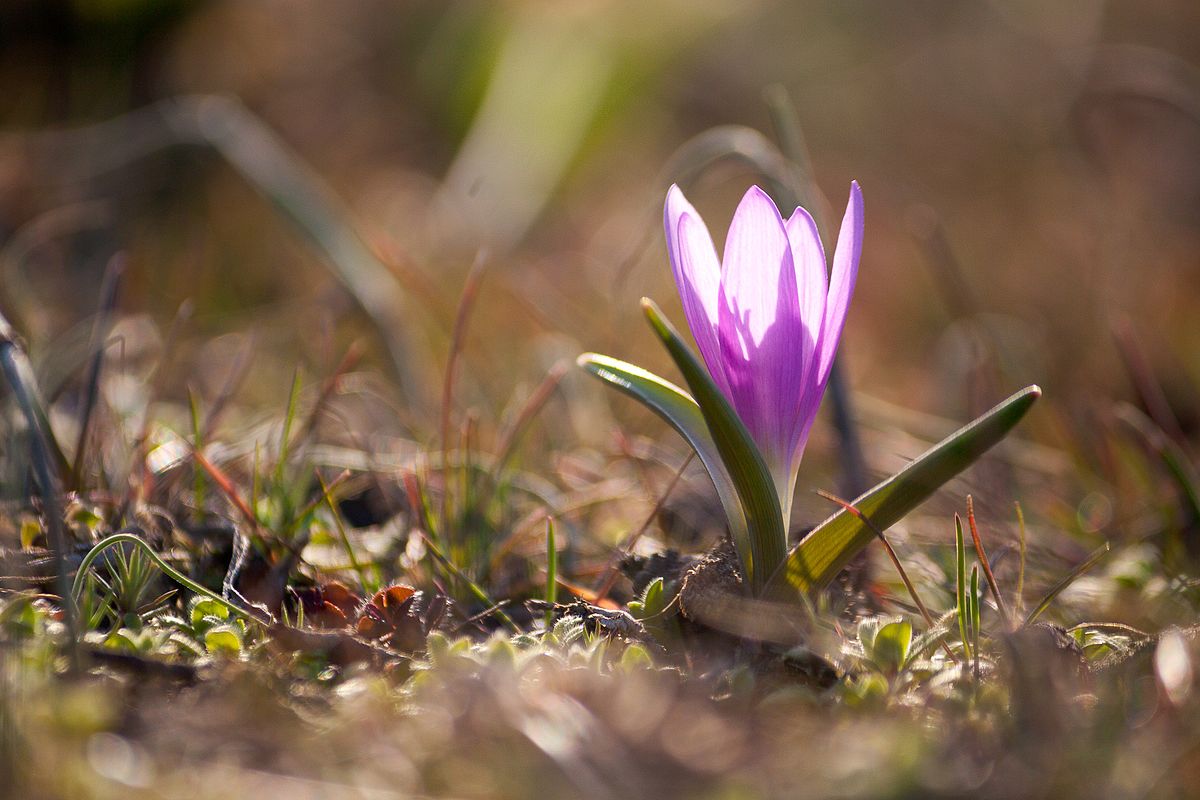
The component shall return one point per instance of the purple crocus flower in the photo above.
(765, 317)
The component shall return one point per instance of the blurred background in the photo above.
(1030, 170)
(305, 187)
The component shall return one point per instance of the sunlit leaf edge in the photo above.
(747, 469)
(824, 552)
(680, 411)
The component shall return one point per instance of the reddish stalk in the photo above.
(908, 584)
(987, 567)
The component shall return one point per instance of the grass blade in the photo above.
(551, 572)
(1045, 602)
(975, 598)
(747, 470)
(960, 551)
(830, 546)
(108, 299)
(1019, 602)
(18, 372)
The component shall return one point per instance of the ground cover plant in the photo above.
(327, 469)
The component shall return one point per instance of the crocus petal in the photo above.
(809, 256)
(762, 317)
(813, 284)
(841, 284)
(697, 275)
(766, 318)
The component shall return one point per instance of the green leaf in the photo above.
(830, 546)
(748, 471)
(868, 629)
(681, 412)
(223, 639)
(654, 598)
(202, 607)
(635, 657)
(889, 650)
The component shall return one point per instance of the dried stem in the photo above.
(908, 584)
(458, 334)
(987, 567)
(610, 570)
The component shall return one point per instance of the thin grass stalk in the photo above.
(511, 436)
(611, 572)
(238, 372)
(285, 436)
(960, 552)
(349, 361)
(227, 488)
(458, 334)
(1019, 601)
(987, 567)
(976, 597)
(551, 571)
(1148, 387)
(895, 559)
(1067, 580)
(198, 486)
(370, 586)
(480, 593)
(108, 298)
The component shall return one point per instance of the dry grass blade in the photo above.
(270, 166)
(1058, 588)
(1019, 601)
(610, 569)
(987, 567)
(108, 299)
(457, 336)
(1153, 398)
(1173, 458)
(908, 584)
(350, 360)
(238, 372)
(226, 486)
(537, 400)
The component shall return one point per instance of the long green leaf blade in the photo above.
(814, 562)
(755, 488)
(681, 412)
